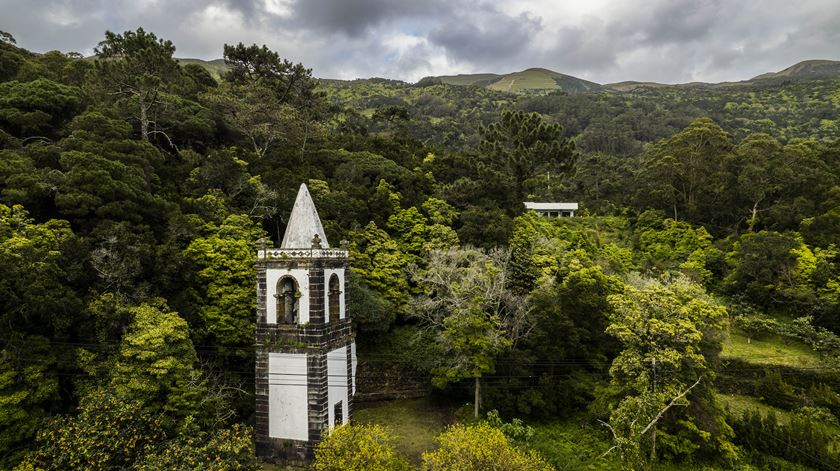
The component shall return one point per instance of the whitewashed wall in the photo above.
(337, 383)
(328, 272)
(287, 396)
(272, 276)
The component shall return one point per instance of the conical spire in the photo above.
(304, 223)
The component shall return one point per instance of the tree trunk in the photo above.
(144, 119)
(653, 446)
(477, 395)
(754, 217)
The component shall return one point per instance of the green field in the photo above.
(414, 422)
(738, 404)
(541, 79)
(772, 350)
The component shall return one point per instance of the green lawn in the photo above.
(770, 351)
(738, 404)
(415, 422)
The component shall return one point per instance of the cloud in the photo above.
(599, 40)
(485, 35)
(357, 17)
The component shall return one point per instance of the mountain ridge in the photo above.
(803, 70)
(542, 79)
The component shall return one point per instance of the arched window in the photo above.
(287, 300)
(334, 298)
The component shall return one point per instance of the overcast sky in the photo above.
(603, 41)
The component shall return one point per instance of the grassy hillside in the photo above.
(468, 79)
(216, 67)
(804, 70)
(541, 79)
(518, 82)
(772, 351)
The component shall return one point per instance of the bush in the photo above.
(824, 397)
(776, 392)
(358, 448)
(110, 432)
(758, 326)
(480, 447)
(107, 433)
(515, 430)
(228, 449)
(819, 339)
(574, 445)
(819, 415)
(800, 441)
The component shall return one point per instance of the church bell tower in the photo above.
(306, 354)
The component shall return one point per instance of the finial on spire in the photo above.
(262, 243)
(316, 242)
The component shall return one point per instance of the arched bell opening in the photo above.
(287, 299)
(334, 298)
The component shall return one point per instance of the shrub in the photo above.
(480, 447)
(516, 430)
(819, 339)
(818, 414)
(107, 433)
(824, 397)
(776, 392)
(228, 449)
(358, 448)
(801, 441)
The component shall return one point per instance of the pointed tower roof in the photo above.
(304, 223)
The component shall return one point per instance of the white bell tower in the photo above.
(306, 354)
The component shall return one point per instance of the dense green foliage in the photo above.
(134, 188)
(358, 448)
(477, 447)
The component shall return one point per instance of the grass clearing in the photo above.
(739, 403)
(772, 350)
(414, 422)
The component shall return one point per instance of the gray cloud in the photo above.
(485, 35)
(356, 17)
(661, 40)
(680, 20)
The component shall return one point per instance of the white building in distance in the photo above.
(556, 210)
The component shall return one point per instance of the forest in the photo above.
(688, 317)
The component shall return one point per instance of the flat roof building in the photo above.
(556, 210)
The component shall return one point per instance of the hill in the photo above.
(517, 82)
(539, 79)
(632, 85)
(542, 79)
(809, 69)
(480, 80)
(216, 67)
